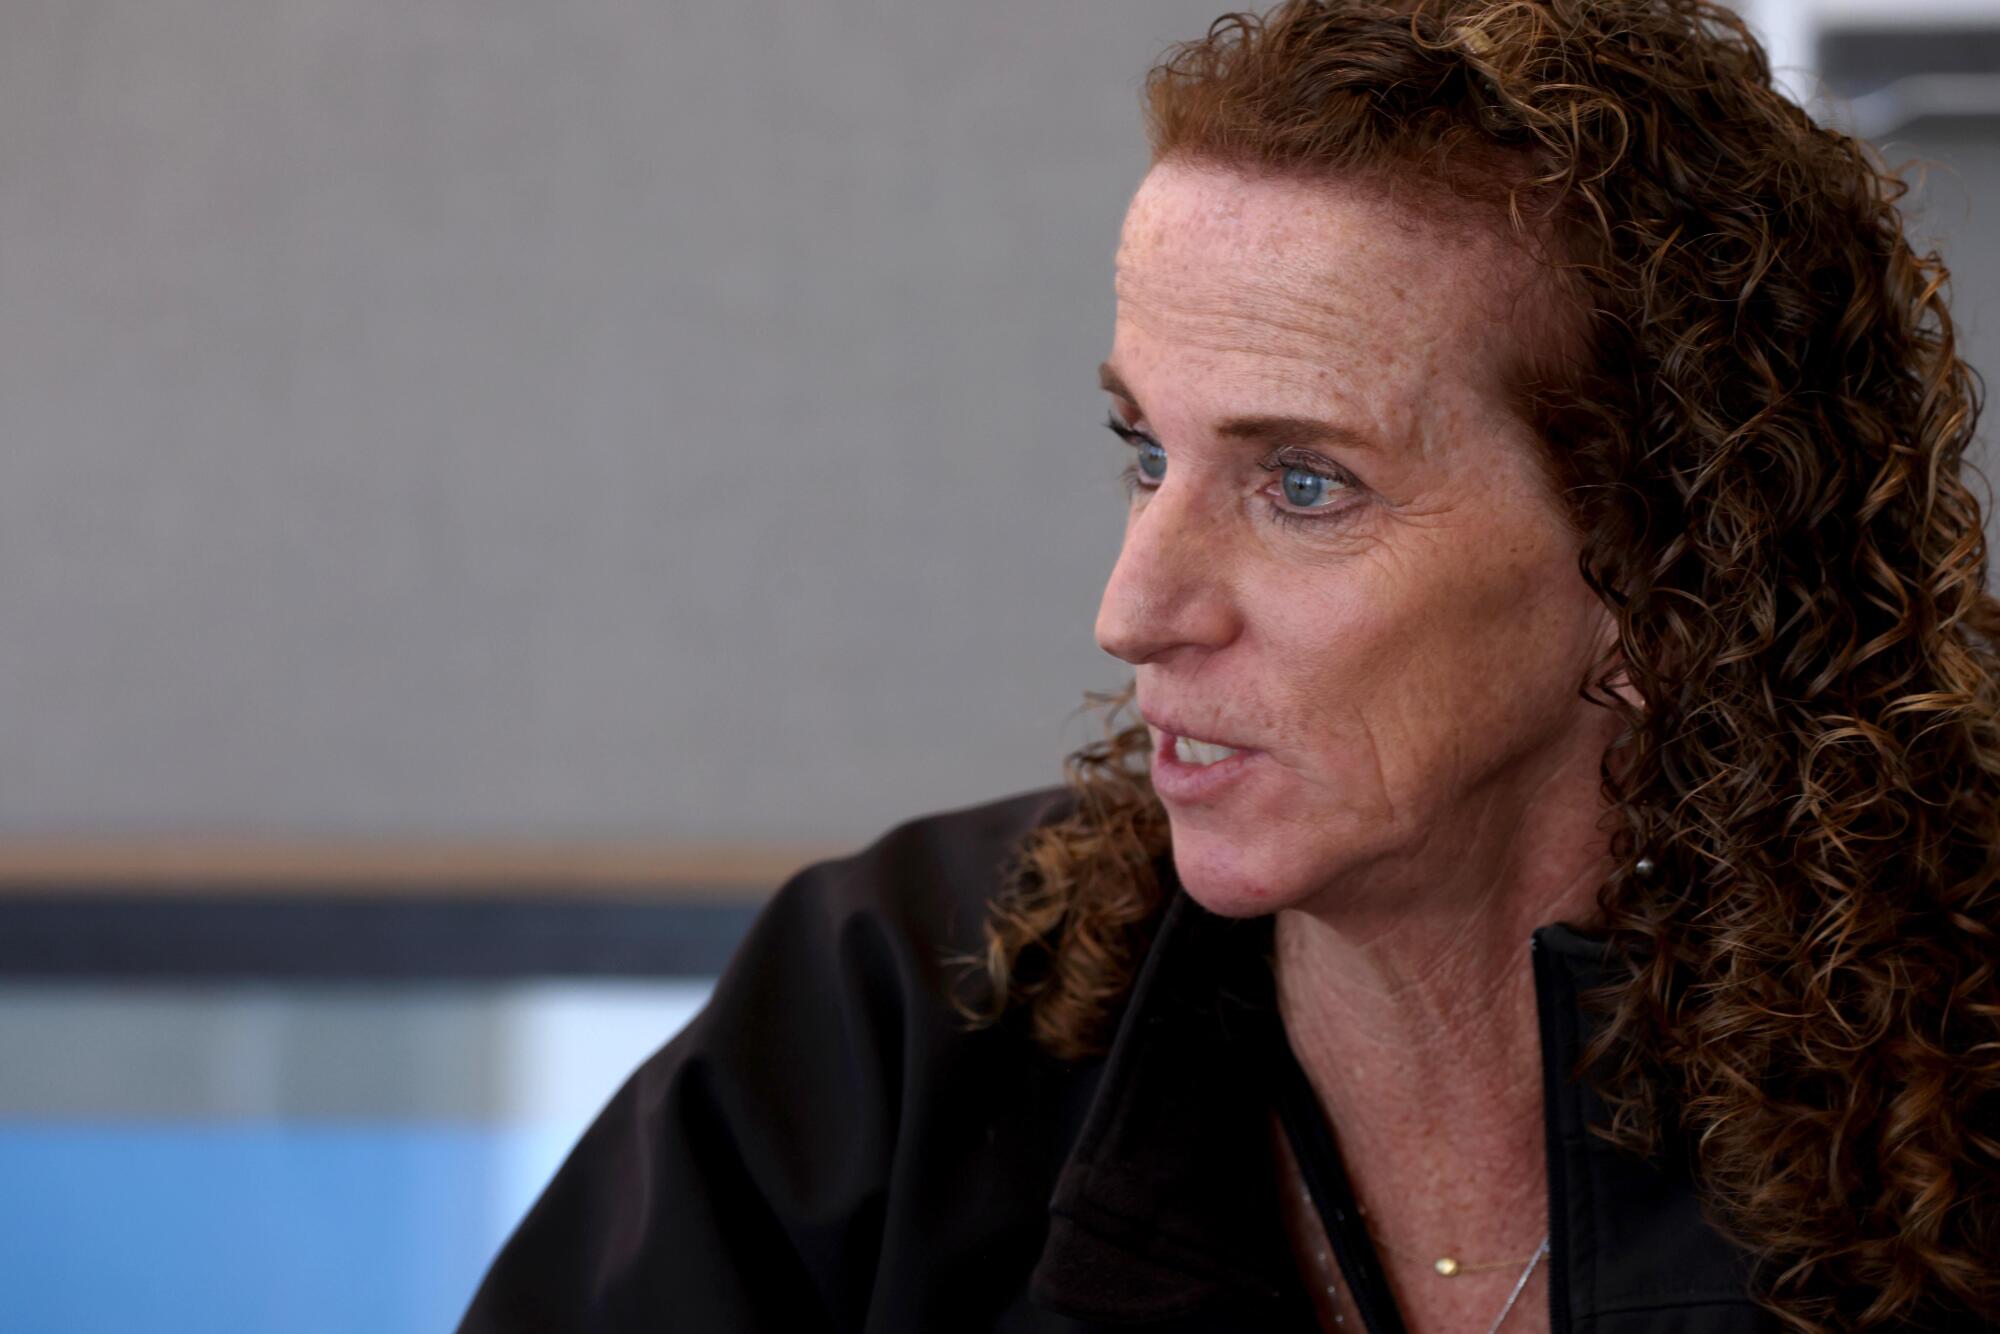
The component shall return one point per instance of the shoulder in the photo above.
(915, 895)
(827, 1108)
(833, 1066)
(955, 853)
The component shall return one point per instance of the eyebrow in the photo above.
(1270, 431)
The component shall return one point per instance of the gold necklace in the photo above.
(1326, 1268)
(1445, 1266)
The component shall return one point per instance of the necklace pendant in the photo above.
(1446, 1266)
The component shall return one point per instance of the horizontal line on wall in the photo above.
(252, 866)
(306, 938)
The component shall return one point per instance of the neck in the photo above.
(1417, 1028)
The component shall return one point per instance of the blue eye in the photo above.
(1150, 463)
(1306, 488)
(1152, 460)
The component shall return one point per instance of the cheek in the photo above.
(1528, 627)
(1424, 673)
(1503, 673)
(1338, 675)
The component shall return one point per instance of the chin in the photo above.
(1233, 878)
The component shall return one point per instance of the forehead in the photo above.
(1287, 276)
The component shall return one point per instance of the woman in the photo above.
(1551, 884)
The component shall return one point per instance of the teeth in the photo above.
(1189, 751)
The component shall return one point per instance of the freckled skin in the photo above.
(1428, 791)
(1410, 666)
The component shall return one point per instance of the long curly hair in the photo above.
(1758, 431)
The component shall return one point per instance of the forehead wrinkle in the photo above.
(1297, 342)
(1245, 308)
(1331, 349)
(1294, 264)
(1314, 290)
(1262, 257)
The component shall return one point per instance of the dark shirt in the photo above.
(828, 1147)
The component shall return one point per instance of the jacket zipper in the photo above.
(1553, 1078)
(1332, 1197)
(1366, 1293)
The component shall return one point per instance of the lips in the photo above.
(1185, 745)
(1191, 772)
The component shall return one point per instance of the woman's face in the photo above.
(1341, 555)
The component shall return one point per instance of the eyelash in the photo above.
(1289, 518)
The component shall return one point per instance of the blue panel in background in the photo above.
(205, 1228)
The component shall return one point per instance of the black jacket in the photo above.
(826, 1147)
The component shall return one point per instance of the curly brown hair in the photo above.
(1759, 434)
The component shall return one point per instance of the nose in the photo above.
(1169, 589)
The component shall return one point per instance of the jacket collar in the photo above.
(1168, 1203)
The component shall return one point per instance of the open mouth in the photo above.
(1200, 753)
(1189, 750)
(1188, 771)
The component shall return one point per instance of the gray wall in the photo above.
(1954, 206)
(526, 418)
(520, 418)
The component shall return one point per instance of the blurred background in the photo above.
(488, 490)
